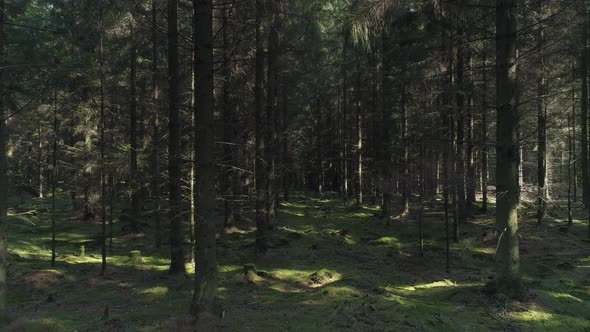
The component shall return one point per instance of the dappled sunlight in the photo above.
(156, 292)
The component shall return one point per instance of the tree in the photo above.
(3, 174)
(205, 233)
(260, 127)
(507, 161)
(177, 265)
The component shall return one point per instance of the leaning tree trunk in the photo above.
(205, 252)
(507, 159)
(177, 265)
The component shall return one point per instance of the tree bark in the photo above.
(3, 176)
(541, 123)
(584, 118)
(103, 197)
(156, 127)
(260, 126)
(177, 264)
(507, 160)
(205, 233)
(134, 203)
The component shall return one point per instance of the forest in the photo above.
(294, 165)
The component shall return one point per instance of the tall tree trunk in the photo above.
(405, 153)
(359, 130)
(260, 126)
(507, 159)
(205, 233)
(344, 116)
(40, 148)
(53, 176)
(484, 135)
(385, 140)
(574, 137)
(584, 118)
(134, 203)
(285, 165)
(270, 152)
(103, 197)
(156, 126)
(460, 149)
(541, 123)
(3, 176)
(177, 264)
(470, 181)
(229, 121)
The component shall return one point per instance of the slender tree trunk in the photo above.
(53, 177)
(227, 110)
(359, 129)
(460, 149)
(385, 155)
(285, 167)
(177, 264)
(469, 152)
(134, 203)
(3, 176)
(484, 136)
(422, 188)
(260, 126)
(507, 158)
(344, 116)
(205, 233)
(40, 179)
(102, 148)
(405, 179)
(541, 126)
(574, 138)
(270, 128)
(570, 138)
(156, 126)
(584, 119)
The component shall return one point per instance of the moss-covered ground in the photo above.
(331, 267)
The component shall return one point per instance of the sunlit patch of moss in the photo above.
(155, 291)
(362, 214)
(341, 292)
(37, 325)
(442, 283)
(385, 241)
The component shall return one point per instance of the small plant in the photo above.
(82, 252)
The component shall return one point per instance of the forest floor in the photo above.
(331, 268)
